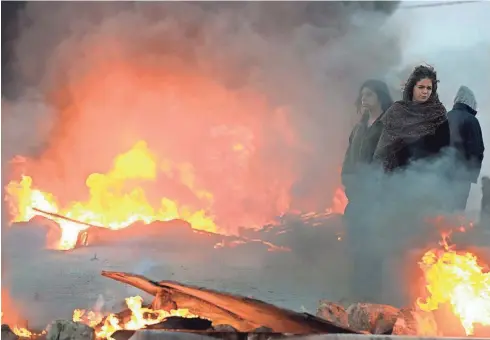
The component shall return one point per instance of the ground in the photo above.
(49, 284)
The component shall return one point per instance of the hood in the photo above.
(467, 97)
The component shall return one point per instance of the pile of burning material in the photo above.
(455, 301)
(184, 308)
(457, 304)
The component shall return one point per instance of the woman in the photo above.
(373, 100)
(415, 128)
(416, 131)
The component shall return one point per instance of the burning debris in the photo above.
(118, 202)
(243, 314)
(457, 280)
(457, 289)
(188, 308)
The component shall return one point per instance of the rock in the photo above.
(69, 330)
(332, 312)
(373, 318)
(415, 323)
(7, 333)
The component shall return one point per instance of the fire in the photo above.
(25, 333)
(141, 317)
(116, 199)
(457, 279)
(339, 201)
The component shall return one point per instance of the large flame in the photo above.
(458, 279)
(116, 199)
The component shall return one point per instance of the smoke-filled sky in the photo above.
(254, 100)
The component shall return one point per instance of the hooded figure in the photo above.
(467, 144)
(416, 127)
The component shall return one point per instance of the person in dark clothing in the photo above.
(467, 144)
(416, 127)
(373, 100)
(411, 152)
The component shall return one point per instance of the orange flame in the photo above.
(117, 199)
(25, 333)
(457, 279)
(140, 318)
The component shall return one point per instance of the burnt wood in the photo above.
(244, 314)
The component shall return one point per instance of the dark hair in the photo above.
(419, 73)
(381, 89)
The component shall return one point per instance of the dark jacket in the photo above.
(466, 141)
(424, 148)
(362, 144)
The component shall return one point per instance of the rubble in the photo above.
(233, 317)
(332, 312)
(69, 330)
(372, 318)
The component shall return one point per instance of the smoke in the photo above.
(277, 80)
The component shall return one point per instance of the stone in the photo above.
(416, 322)
(332, 312)
(373, 318)
(69, 330)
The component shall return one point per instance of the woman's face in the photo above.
(422, 90)
(369, 100)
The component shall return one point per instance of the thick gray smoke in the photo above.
(307, 57)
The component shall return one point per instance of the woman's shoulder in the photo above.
(393, 111)
(397, 104)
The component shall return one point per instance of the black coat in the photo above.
(362, 144)
(466, 141)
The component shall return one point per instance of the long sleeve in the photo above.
(442, 137)
(474, 146)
